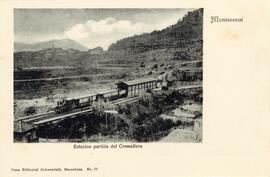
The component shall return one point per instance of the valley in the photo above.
(51, 71)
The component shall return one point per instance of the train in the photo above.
(68, 104)
(124, 89)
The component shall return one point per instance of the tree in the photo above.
(101, 106)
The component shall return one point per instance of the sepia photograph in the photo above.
(108, 75)
(134, 88)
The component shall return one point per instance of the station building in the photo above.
(24, 132)
(135, 87)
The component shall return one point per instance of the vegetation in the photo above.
(145, 123)
(30, 110)
(138, 121)
(182, 34)
(182, 40)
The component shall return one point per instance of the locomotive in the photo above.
(124, 89)
(68, 104)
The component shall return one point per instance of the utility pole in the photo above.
(115, 122)
(111, 112)
(106, 121)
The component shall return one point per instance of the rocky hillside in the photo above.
(185, 35)
(96, 50)
(63, 43)
(182, 41)
(54, 57)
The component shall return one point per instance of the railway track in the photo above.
(37, 116)
(54, 116)
(61, 117)
(35, 90)
(61, 78)
(130, 100)
(50, 115)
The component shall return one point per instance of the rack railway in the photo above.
(126, 92)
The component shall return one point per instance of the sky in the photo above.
(90, 27)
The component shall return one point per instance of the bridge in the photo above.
(25, 127)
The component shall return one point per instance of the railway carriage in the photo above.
(124, 89)
(111, 95)
(107, 95)
(69, 104)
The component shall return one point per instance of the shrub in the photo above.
(122, 75)
(155, 67)
(30, 110)
(142, 64)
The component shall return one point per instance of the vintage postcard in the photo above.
(96, 75)
(135, 89)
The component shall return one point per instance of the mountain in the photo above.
(185, 36)
(63, 43)
(182, 41)
(96, 50)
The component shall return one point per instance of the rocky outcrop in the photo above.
(179, 42)
(96, 50)
(186, 34)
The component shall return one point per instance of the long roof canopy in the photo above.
(139, 81)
